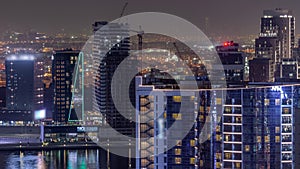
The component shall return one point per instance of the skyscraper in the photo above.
(111, 46)
(261, 70)
(63, 65)
(276, 42)
(233, 61)
(2, 97)
(255, 129)
(24, 86)
(155, 115)
(48, 94)
(280, 23)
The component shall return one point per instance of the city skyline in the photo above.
(75, 17)
(151, 91)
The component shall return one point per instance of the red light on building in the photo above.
(228, 43)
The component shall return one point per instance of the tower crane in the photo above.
(139, 32)
(123, 10)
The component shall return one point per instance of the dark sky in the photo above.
(227, 17)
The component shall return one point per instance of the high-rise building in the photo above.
(261, 70)
(267, 47)
(24, 86)
(254, 130)
(2, 97)
(111, 46)
(2, 87)
(154, 115)
(233, 61)
(276, 41)
(280, 23)
(48, 94)
(289, 69)
(63, 65)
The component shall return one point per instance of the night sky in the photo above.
(229, 17)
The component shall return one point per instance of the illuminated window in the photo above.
(226, 137)
(177, 151)
(192, 160)
(218, 128)
(277, 101)
(201, 117)
(219, 156)
(277, 129)
(247, 148)
(277, 139)
(219, 165)
(201, 109)
(258, 139)
(238, 119)
(201, 163)
(267, 139)
(178, 142)
(144, 109)
(192, 143)
(286, 110)
(227, 155)
(192, 98)
(176, 116)
(219, 101)
(177, 160)
(228, 109)
(177, 98)
(267, 102)
(218, 137)
(238, 165)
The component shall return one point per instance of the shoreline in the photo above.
(39, 146)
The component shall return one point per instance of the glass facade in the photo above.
(63, 65)
(24, 86)
(255, 129)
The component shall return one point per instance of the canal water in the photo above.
(53, 159)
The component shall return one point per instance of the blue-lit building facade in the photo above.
(255, 128)
(156, 114)
(270, 112)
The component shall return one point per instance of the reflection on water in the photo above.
(54, 159)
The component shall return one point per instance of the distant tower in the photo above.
(110, 47)
(233, 61)
(2, 96)
(24, 75)
(63, 65)
(280, 23)
(206, 22)
(48, 94)
(115, 38)
(276, 42)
